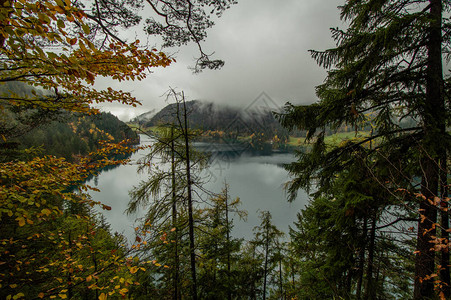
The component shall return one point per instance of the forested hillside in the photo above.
(75, 134)
(56, 132)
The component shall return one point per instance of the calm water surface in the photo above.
(257, 180)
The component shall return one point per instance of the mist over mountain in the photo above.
(207, 116)
(144, 117)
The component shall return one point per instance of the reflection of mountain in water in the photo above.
(221, 151)
(224, 152)
(236, 151)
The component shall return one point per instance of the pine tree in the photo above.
(386, 67)
(219, 250)
(267, 238)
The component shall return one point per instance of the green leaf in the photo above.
(61, 23)
(86, 28)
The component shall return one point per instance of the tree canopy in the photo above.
(386, 68)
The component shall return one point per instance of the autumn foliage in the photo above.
(52, 245)
(49, 44)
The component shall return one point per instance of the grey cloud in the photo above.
(265, 46)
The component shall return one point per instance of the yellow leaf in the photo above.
(21, 221)
(41, 295)
(102, 296)
(133, 269)
(62, 296)
(46, 211)
(19, 295)
(123, 291)
(89, 278)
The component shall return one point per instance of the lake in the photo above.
(256, 179)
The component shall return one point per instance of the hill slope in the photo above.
(57, 132)
(210, 117)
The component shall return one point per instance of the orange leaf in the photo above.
(90, 76)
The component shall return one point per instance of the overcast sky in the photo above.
(265, 46)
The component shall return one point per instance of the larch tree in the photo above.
(387, 67)
(161, 195)
(175, 187)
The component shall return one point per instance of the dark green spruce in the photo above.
(385, 69)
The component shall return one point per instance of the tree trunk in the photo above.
(433, 118)
(280, 279)
(369, 289)
(190, 204)
(70, 291)
(444, 259)
(176, 294)
(253, 289)
(266, 263)
(293, 282)
(362, 259)
(229, 292)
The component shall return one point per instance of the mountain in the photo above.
(207, 116)
(143, 118)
